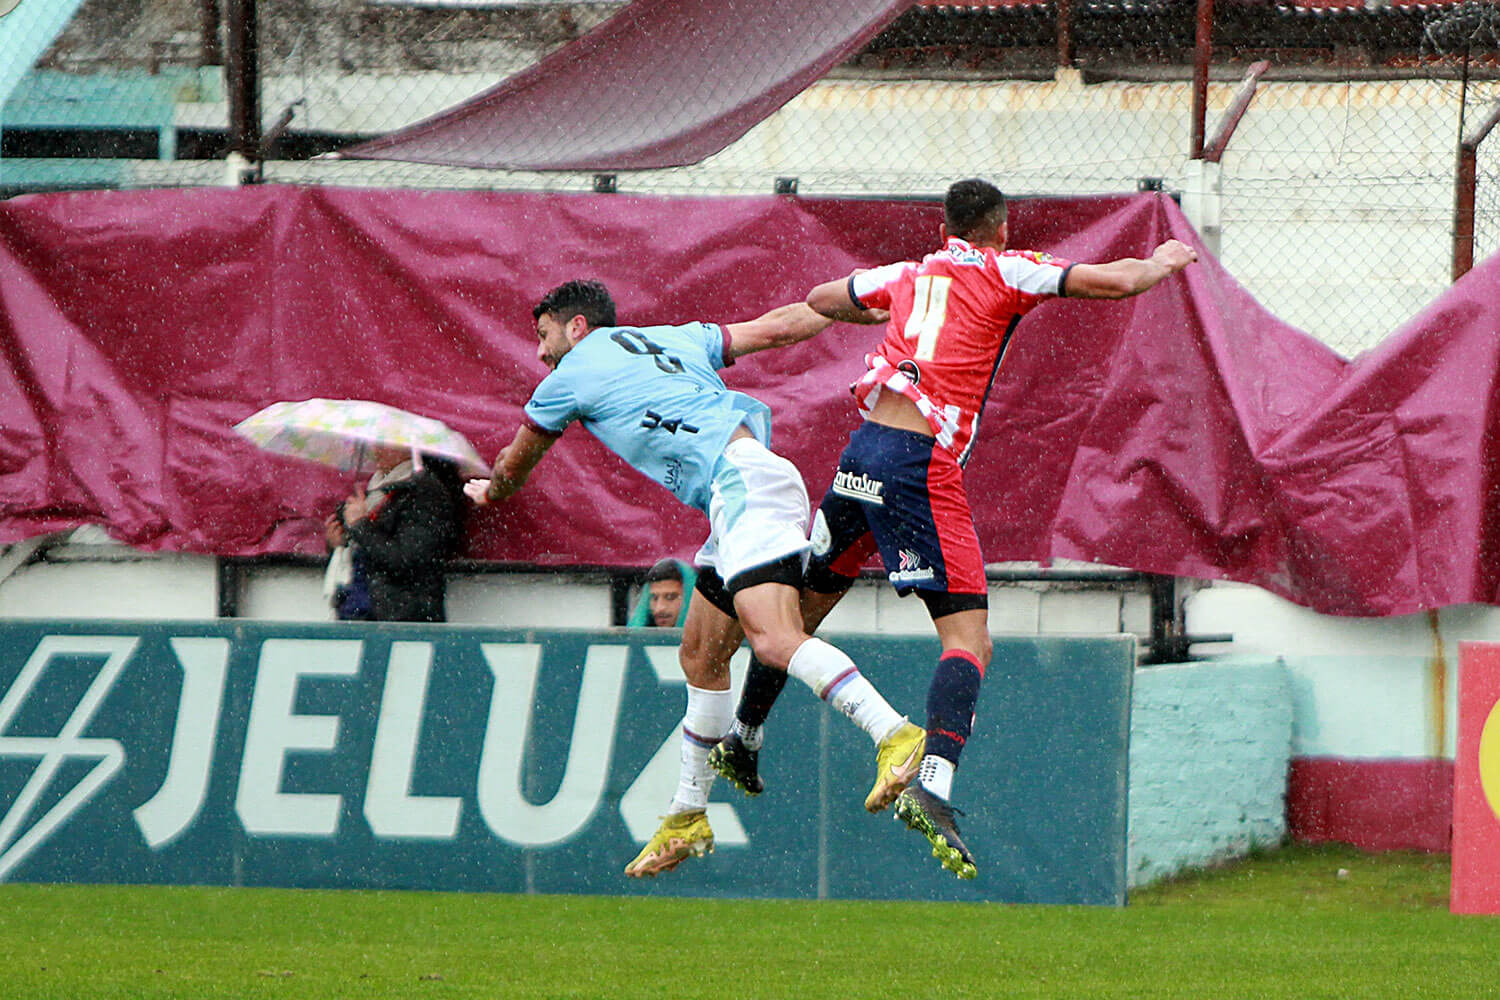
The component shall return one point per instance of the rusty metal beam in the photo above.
(210, 51)
(1214, 151)
(1065, 54)
(1463, 212)
(1203, 55)
(1474, 138)
(1465, 183)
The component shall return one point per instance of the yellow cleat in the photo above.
(896, 762)
(680, 836)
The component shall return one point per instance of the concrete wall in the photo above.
(1374, 709)
(109, 582)
(168, 586)
(1210, 745)
(1372, 688)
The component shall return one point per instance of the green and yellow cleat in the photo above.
(737, 764)
(933, 818)
(896, 762)
(680, 836)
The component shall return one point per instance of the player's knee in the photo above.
(985, 649)
(976, 645)
(775, 649)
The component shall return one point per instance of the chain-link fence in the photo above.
(1339, 204)
(1487, 201)
(1338, 187)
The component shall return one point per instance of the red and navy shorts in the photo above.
(898, 492)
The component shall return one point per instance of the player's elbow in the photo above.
(828, 299)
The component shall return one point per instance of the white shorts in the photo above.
(758, 511)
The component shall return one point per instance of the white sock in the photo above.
(834, 678)
(752, 736)
(936, 776)
(706, 722)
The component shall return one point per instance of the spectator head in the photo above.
(974, 211)
(664, 589)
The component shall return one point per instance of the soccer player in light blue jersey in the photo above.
(653, 395)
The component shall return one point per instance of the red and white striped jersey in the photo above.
(952, 316)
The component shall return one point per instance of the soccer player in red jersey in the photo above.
(899, 487)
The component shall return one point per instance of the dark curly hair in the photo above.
(972, 208)
(589, 299)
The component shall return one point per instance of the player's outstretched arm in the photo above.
(1128, 276)
(831, 299)
(512, 466)
(784, 325)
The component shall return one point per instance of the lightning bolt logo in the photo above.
(17, 840)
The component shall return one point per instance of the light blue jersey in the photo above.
(654, 397)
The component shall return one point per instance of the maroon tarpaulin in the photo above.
(663, 83)
(1184, 431)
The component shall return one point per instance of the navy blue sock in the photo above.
(762, 685)
(950, 703)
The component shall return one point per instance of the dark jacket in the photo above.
(405, 542)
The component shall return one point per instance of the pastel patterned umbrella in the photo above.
(344, 433)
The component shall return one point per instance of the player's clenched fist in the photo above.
(1174, 255)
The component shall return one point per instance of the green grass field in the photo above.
(1281, 925)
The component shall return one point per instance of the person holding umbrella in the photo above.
(395, 537)
(390, 539)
